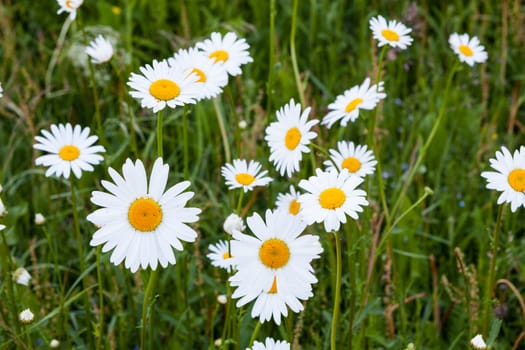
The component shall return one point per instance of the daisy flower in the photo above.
(331, 196)
(3, 210)
(244, 174)
(289, 137)
(468, 50)
(509, 177)
(346, 106)
(100, 50)
(1, 90)
(229, 51)
(270, 344)
(141, 221)
(289, 202)
(21, 276)
(393, 33)
(26, 316)
(357, 159)
(273, 268)
(478, 343)
(211, 77)
(220, 255)
(70, 149)
(233, 223)
(69, 6)
(161, 85)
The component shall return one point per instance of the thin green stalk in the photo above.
(269, 82)
(293, 55)
(100, 330)
(227, 320)
(222, 129)
(492, 270)
(146, 304)
(7, 267)
(56, 53)
(98, 118)
(239, 202)
(254, 334)
(352, 276)
(185, 141)
(160, 152)
(337, 292)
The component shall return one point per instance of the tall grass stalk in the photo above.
(56, 53)
(293, 54)
(337, 292)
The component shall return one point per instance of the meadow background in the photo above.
(428, 284)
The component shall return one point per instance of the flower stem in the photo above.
(153, 277)
(239, 202)
(222, 129)
(293, 54)
(7, 267)
(269, 82)
(185, 141)
(254, 334)
(56, 53)
(100, 326)
(337, 296)
(160, 152)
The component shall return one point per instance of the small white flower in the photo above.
(478, 343)
(270, 344)
(69, 6)
(357, 159)
(40, 219)
(100, 50)
(243, 124)
(21, 276)
(1, 90)
(26, 316)
(393, 33)
(228, 51)
(243, 174)
(233, 223)
(468, 49)
(54, 343)
(220, 255)
(222, 299)
(289, 202)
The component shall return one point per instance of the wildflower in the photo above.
(222, 299)
(26, 316)
(270, 344)
(220, 255)
(54, 343)
(469, 50)
(21, 276)
(244, 175)
(509, 177)
(357, 159)
(289, 137)
(71, 149)
(478, 343)
(141, 221)
(233, 223)
(39, 219)
(243, 124)
(273, 268)
(69, 6)
(393, 33)
(100, 50)
(211, 77)
(228, 51)
(289, 202)
(1, 90)
(3, 210)
(346, 106)
(331, 196)
(162, 85)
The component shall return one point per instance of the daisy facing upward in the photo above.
(391, 33)
(468, 49)
(245, 175)
(357, 159)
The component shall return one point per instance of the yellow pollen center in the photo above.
(294, 207)
(517, 180)
(164, 89)
(226, 256)
(390, 35)
(274, 253)
(200, 74)
(145, 214)
(292, 138)
(244, 178)
(465, 50)
(273, 290)
(353, 104)
(332, 198)
(219, 55)
(69, 152)
(68, 4)
(352, 164)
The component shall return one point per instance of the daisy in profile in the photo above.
(1, 90)
(212, 77)
(21, 276)
(270, 344)
(243, 174)
(141, 221)
(468, 49)
(393, 33)
(228, 51)
(289, 137)
(289, 202)
(357, 159)
(220, 255)
(100, 50)
(509, 177)
(71, 149)
(273, 268)
(331, 196)
(69, 6)
(346, 106)
(478, 343)
(161, 85)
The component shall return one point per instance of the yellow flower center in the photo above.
(294, 207)
(274, 253)
(116, 10)
(219, 55)
(273, 290)
(226, 256)
(332, 198)
(69, 5)
(353, 104)
(145, 214)
(164, 89)
(352, 164)
(244, 178)
(69, 152)
(517, 180)
(200, 74)
(390, 35)
(465, 50)
(292, 138)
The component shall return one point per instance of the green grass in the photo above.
(428, 283)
